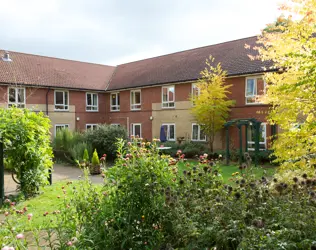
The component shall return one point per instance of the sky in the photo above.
(113, 32)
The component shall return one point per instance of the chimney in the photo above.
(6, 57)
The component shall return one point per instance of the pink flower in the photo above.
(182, 156)
(129, 143)
(20, 236)
(29, 216)
(179, 152)
(6, 214)
(104, 155)
(7, 201)
(7, 248)
(69, 243)
(161, 146)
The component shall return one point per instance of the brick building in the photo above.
(143, 96)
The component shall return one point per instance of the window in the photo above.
(61, 100)
(262, 137)
(115, 124)
(91, 126)
(255, 87)
(136, 129)
(135, 100)
(168, 97)
(16, 97)
(115, 102)
(60, 126)
(195, 90)
(197, 133)
(92, 102)
(170, 131)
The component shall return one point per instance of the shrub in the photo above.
(78, 150)
(104, 139)
(86, 157)
(26, 139)
(95, 158)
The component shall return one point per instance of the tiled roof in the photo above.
(44, 71)
(187, 65)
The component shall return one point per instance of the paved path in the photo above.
(61, 172)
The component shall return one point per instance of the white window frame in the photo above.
(194, 85)
(65, 105)
(168, 102)
(92, 125)
(92, 106)
(254, 95)
(60, 125)
(133, 129)
(117, 106)
(134, 105)
(168, 131)
(17, 103)
(260, 143)
(199, 133)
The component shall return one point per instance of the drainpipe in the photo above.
(50, 177)
(47, 101)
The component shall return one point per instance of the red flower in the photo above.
(104, 155)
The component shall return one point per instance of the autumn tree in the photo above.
(210, 103)
(292, 87)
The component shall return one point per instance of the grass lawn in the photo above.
(50, 199)
(226, 171)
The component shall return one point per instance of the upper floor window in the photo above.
(255, 87)
(135, 100)
(197, 133)
(91, 126)
(115, 101)
(262, 137)
(16, 97)
(116, 124)
(195, 90)
(92, 102)
(170, 131)
(136, 129)
(168, 97)
(61, 100)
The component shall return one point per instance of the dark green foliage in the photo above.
(104, 139)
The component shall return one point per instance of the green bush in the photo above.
(86, 157)
(95, 158)
(104, 139)
(78, 150)
(28, 152)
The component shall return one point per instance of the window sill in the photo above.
(198, 140)
(93, 111)
(136, 109)
(168, 107)
(115, 110)
(61, 110)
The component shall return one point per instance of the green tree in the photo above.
(292, 90)
(211, 106)
(278, 25)
(27, 144)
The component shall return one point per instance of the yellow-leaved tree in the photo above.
(291, 90)
(211, 105)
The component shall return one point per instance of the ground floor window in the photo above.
(91, 126)
(58, 127)
(262, 137)
(197, 133)
(115, 124)
(136, 129)
(170, 131)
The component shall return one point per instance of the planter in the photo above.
(95, 169)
